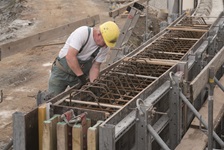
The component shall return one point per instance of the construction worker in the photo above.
(80, 58)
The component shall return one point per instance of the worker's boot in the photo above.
(44, 96)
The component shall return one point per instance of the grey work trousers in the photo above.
(61, 79)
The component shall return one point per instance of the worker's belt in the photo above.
(58, 64)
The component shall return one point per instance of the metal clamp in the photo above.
(171, 74)
(149, 108)
(200, 125)
(70, 118)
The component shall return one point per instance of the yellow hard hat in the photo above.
(110, 33)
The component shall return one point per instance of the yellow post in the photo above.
(41, 119)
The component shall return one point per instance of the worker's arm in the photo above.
(72, 61)
(94, 71)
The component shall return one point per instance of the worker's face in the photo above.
(100, 42)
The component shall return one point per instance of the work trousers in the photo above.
(61, 78)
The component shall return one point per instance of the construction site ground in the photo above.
(23, 74)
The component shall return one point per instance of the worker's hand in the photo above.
(83, 80)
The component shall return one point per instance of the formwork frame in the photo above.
(121, 129)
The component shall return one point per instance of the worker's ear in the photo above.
(99, 33)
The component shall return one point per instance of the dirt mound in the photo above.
(9, 11)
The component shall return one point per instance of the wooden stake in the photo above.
(41, 119)
(49, 133)
(93, 137)
(77, 137)
(62, 136)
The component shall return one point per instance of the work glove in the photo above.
(83, 80)
(96, 91)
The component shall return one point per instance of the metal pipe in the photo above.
(180, 7)
(157, 138)
(219, 84)
(137, 75)
(217, 138)
(146, 21)
(210, 107)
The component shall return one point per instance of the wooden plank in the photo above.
(164, 62)
(202, 78)
(25, 130)
(39, 38)
(187, 39)
(41, 119)
(62, 136)
(49, 133)
(31, 120)
(79, 134)
(93, 137)
(19, 138)
(120, 10)
(94, 103)
(77, 137)
(107, 137)
(194, 138)
(187, 29)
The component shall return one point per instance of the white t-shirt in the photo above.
(77, 39)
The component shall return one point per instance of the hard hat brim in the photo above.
(110, 32)
(111, 45)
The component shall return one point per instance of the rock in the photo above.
(16, 24)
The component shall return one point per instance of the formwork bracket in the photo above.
(175, 114)
(145, 132)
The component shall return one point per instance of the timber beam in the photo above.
(11, 48)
